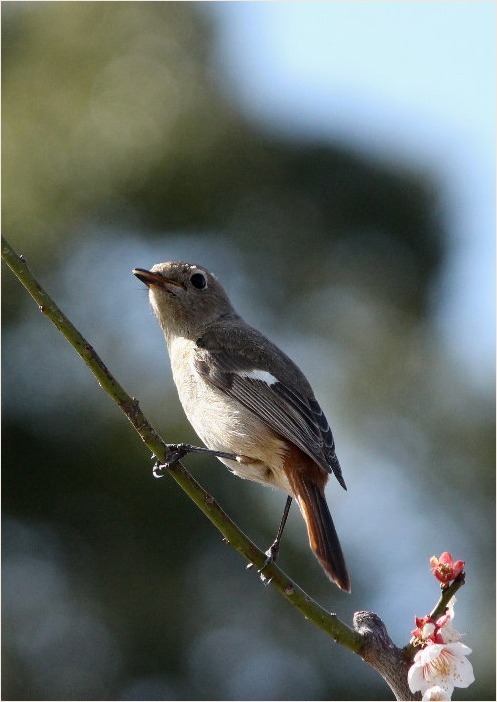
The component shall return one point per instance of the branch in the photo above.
(326, 621)
(448, 593)
(382, 654)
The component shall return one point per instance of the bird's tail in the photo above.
(323, 538)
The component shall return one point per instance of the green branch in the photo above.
(326, 621)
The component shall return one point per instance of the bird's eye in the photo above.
(198, 281)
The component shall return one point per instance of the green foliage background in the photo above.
(122, 147)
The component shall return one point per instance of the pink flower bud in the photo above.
(445, 568)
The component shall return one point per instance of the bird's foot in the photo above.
(175, 452)
(271, 556)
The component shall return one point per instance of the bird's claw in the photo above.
(175, 453)
(265, 581)
(159, 469)
(271, 556)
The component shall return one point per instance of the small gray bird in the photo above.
(247, 400)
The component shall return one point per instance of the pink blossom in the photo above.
(445, 568)
(425, 629)
(429, 630)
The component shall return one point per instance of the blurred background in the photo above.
(333, 164)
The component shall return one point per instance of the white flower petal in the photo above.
(429, 653)
(415, 678)
(441, 665)
(449, 634)
(458, 649)
(463, 674)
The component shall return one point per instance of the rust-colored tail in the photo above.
(323, 538)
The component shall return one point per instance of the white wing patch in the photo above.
(255, 374)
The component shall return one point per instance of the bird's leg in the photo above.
(273, 550)
(177, 451)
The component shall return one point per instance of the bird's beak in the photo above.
(151, 278)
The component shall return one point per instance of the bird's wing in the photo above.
(289, 412)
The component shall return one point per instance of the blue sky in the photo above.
(410, 81)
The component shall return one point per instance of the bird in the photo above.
(248, 401)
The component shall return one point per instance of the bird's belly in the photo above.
(224, 424)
